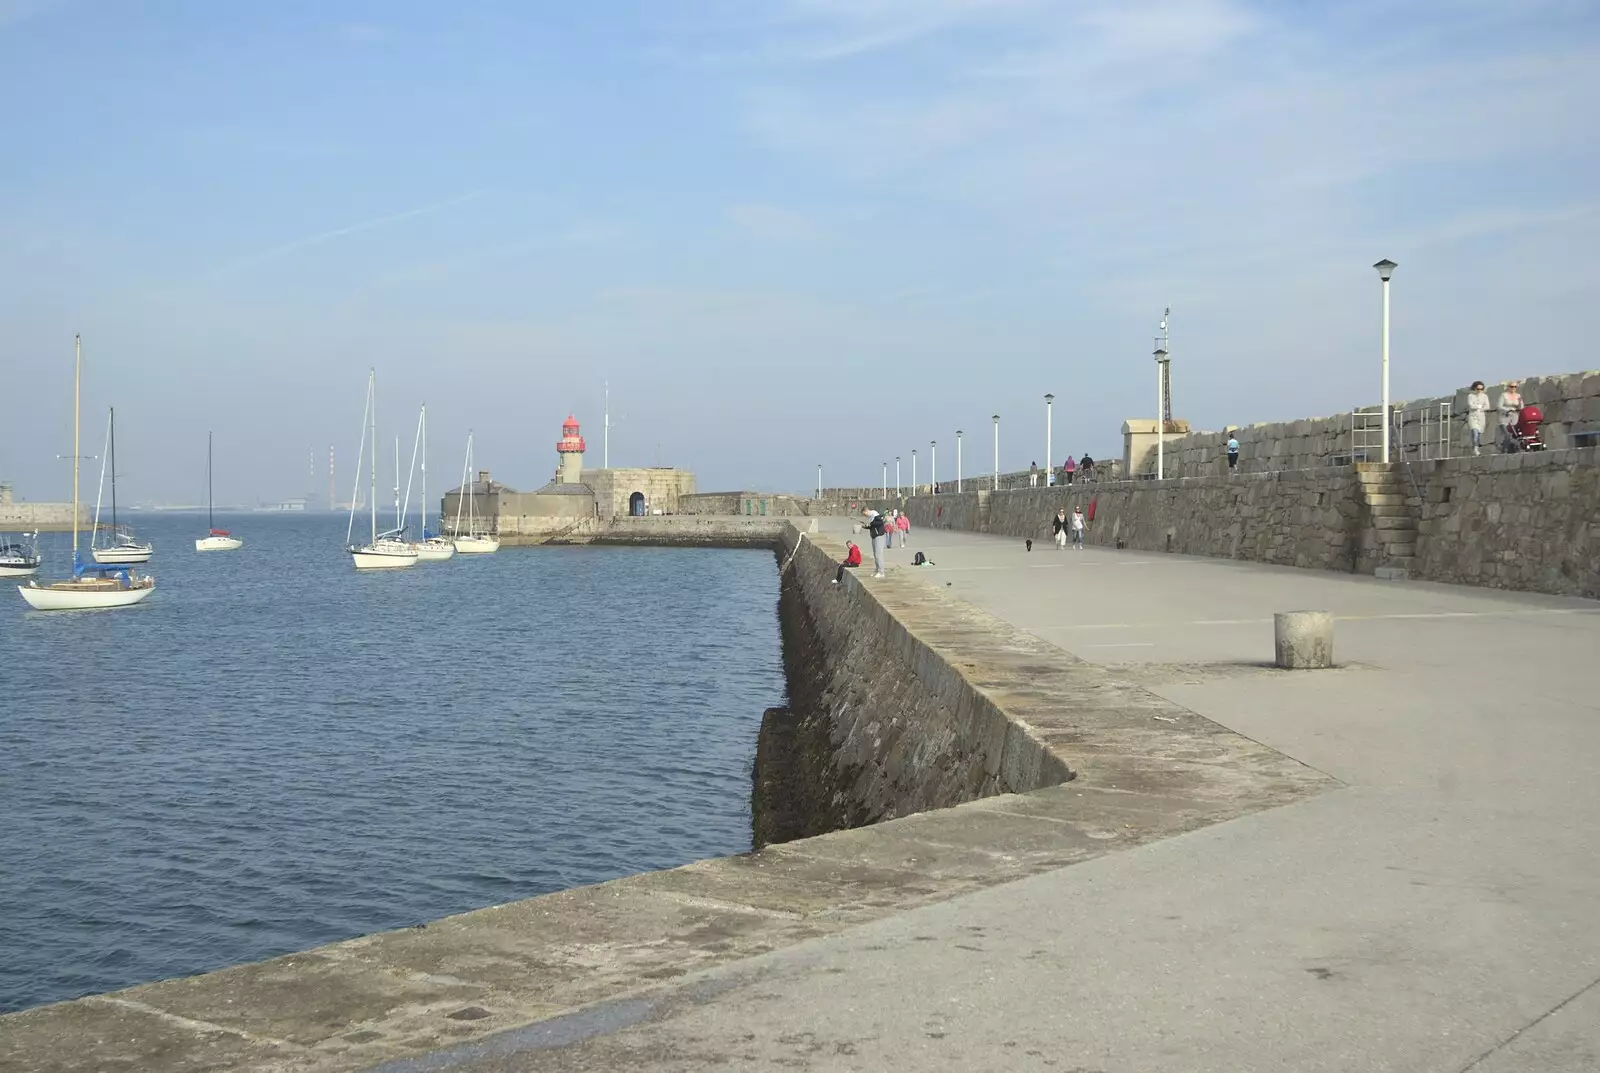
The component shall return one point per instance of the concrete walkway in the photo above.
(1440, 911)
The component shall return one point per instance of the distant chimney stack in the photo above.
(483, 479)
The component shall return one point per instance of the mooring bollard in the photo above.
(1304, 639)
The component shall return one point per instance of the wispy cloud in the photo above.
(318, 239)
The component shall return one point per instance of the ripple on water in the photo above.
(280, 758)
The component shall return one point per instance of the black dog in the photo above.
(1030, 543)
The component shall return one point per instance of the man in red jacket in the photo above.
(852, 559)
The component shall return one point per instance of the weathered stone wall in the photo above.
(21, 516)
(1311, 518)
(1511, 521)
(879, 723)
(1571, 405)
(663, 488)
(1528, 522)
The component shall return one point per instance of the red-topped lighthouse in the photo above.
(570, 450)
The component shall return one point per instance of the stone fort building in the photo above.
(575, 500)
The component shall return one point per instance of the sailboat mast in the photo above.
(372, 491)
(398, 521)
(113, 469)
(77, 391)
(466, 465)
(424, 471)
(211, 522)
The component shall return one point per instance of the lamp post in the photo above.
(1385, 269)
(933, 466)
(913, 471)
(1161, 409)
(996, 452)
(819, 481)
(958, 460)
(1049, 463)
(886, 480)
(897, 476)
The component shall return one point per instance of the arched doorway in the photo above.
(636, 504)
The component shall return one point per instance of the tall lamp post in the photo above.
(819, 480)
(1049, 426)
(958, 460)
(933, 466)
(1385, 269)
(996, 452)
(886, 480)
(913, 471)
(897, 476)
(1161, 409)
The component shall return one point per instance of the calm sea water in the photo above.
(274, 751)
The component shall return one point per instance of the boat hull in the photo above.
(18, 569)
(124, 554)
(70, 596)
(477, 545)
(218, 543)
(429, 552)
(382, 558)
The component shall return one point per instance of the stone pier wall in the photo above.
(1509, 521)
(879, 723)
(1529, 522)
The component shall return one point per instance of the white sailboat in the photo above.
(123, 547)
(474, 542)
(432, 548)
(216, 539)
(20, 560)
(385, 552)
(91, 586)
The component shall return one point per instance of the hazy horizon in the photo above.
(790, 233)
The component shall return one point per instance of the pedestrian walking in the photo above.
(1477, 415)
(877, 528)
(1059, 526)
(1077, 527)
(1510, 413)
(852, 559)
(1033, 474)
(889, 531)
(1070, 467)
(1086, 467)
(1233, 451)
(903, 524)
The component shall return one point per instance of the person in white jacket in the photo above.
(1477, 414)
(1510, 414)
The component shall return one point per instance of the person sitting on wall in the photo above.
(852, 559)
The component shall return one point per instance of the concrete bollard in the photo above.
(1304, 639)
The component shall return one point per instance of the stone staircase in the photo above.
(982, 525)
(1389, 546)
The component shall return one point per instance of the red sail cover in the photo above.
(220, 532)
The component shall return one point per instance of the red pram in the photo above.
(1524, 435)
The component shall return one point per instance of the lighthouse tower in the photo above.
(570, 451)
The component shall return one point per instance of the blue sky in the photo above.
(787, 232)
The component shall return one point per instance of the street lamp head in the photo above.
(997, 419)
(958, 434)
(1385, 269)
(1049, 398)
(1161, 353)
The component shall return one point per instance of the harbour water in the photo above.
(275, 752)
